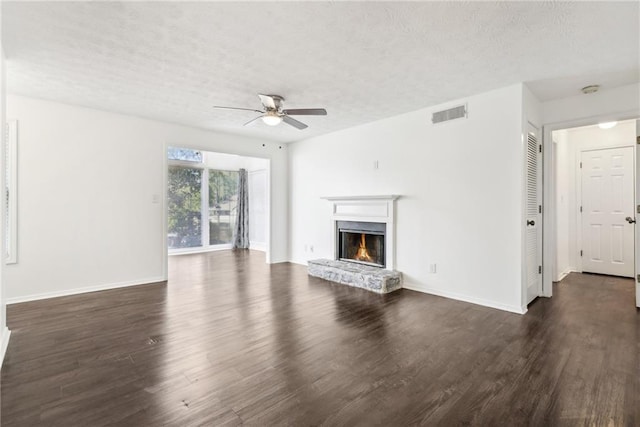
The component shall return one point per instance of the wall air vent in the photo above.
(450, 114)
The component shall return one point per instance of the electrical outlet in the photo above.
(432, 268)
(155, 198)
(376, 165)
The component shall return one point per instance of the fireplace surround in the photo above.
(373, 216)
(364, 243)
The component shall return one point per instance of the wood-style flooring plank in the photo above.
(230, 340)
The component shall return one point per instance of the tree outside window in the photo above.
(184, 207)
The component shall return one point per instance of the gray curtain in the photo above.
(241, 231)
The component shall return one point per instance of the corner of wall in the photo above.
(531, 109)
(3, 294)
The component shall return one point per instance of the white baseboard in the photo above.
(465, 298)
(199, 250)
(262, 247)
(451, 295)
(75, 291)
(6, 334)
(563, 275)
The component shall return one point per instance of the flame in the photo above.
(363, 254)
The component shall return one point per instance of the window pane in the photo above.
(184, 200)
(223, 199)
(184, 154)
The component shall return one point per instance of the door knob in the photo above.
(531, 222)
(630, 220)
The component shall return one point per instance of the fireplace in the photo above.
(373, 216)
(361, 242)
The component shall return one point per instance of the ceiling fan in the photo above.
(273, 112)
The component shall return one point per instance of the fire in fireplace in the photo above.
(361, 242)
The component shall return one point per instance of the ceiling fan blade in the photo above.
(235, 108)
(252, 120)
(293, 122)
(306, 112)
(268, 101)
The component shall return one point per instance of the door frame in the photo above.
(579, 195)
(536, 130)
(549, 243)
(636, 277)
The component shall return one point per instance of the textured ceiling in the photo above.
(362, 61)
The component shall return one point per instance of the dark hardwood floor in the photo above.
(230, 340)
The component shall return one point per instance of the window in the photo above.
(201, 202)
(184, 200)
(10, 192)
(223, 201)
(184, 154)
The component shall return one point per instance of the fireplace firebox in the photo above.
(361, 242)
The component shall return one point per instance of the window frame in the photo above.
(204, 207)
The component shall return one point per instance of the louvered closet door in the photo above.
(534, 216)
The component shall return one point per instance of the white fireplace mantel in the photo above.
(367, 209)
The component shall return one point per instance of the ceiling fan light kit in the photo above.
(273, 113)
(272, 118)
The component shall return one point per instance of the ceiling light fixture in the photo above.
(272, 118)
(590, 89)
(607, 125)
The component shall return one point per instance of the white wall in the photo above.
(461, 185)
(234, 162)
(258, 205)
(564, 176)
(531, 111)
(531, 117)
(571, 143)
(85, 186)
(4, 331)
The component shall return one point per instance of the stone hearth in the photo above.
(360, 276)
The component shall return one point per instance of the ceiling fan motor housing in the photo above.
(277, 102)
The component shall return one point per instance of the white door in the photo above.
(637, 215)
(534, 215)
(607, 200)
